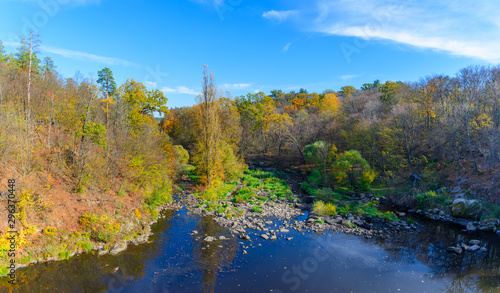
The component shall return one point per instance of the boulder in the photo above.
(473, 248)
(470, 227)
(474, 242)
(457, 250)
(209, 239)
(463, 208)
(264, 236)
(118, 247)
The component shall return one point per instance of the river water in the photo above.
(175, 261)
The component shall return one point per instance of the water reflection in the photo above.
(217, 255)
(466, 272)
(175, 261)
(89, 272)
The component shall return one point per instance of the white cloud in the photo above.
(280, 16)
(287, 46)
(151, 83)
(180, 90)
(235, 86)
(83, 56)
(350, 76)
(459, 27)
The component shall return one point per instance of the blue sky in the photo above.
(258, 45)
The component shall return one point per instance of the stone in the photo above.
(457, 250)
(245, 237)
(474, 242)
(442, 214)
(289, 238)
(245, 252)
(473, 248)
(460, 196)
(194, 232)
(222, 237)
(264, 236)
(118, 247)
(273, 237)
(483, 249)
(470, 227)
(209, 239)
(284, 230)
(463, 208)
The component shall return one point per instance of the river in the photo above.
(175, 261)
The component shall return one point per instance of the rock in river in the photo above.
(118, 247)
(464, 208)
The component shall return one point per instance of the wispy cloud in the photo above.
(151, 83)
(179, 90)
(287, 46)
(235, 86)
(459, 27)
(350, 76)
(83, 56)
(280, 16)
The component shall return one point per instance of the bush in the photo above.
(181, 155)
(102, 228)
(432, 200)
(159, 197)
(323, 209)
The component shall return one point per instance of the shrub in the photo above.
(159, 197)
(325, 209)
(102, 228)
(180, 154)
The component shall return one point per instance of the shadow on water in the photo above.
(175, 261)
(466, 272)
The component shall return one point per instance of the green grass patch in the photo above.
(256, 209)
(430, 200)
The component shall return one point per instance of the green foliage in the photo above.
(354, 171)
(244, 194)
(159, 197)
(349, 224)
(233, 166)
(432, 200)
(95, 131)
(315, 179)
(107, 82)
(257, 209)
(180, 154)
(101, 228)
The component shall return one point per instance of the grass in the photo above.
(331, 203)
(432, 200)
(244, 194)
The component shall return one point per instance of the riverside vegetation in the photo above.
(95, 166)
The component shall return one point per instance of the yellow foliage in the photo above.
(330, 104)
